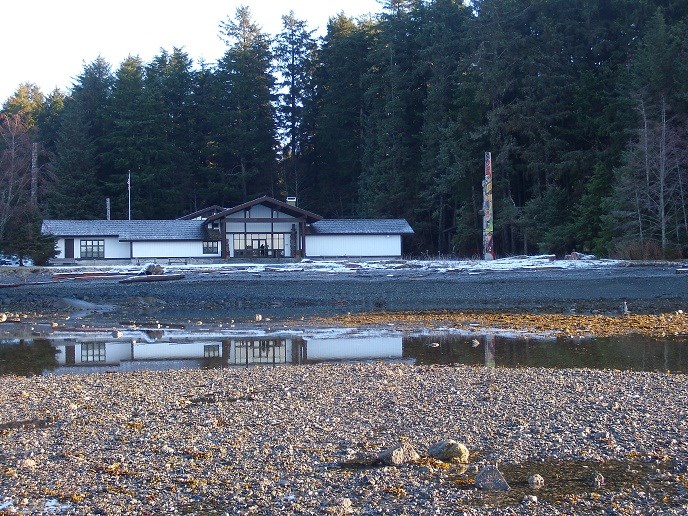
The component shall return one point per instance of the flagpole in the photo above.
(129, 192)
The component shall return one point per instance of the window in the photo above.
(255, 240)
(93, 352)
(211, 350)
(93, 249)
(211, 247)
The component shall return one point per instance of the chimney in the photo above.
(291, 201)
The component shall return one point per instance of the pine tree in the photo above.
(393, 110)
(339, 100)
(82, 167)
(244, 129)
(295, 56)
(169, 88)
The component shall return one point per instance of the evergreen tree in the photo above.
(128, 144)
(27, 101)
(394, 92)
(339, 99)
(76, 192)
(82, 165)
(169, 88)
(295, 56)
(448, 166)
(244, 128)
(23, 237)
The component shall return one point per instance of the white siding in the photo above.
(164, 249)
(113, 247)
(348, 349)
(352, 245)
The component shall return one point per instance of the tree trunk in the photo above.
(662, 181)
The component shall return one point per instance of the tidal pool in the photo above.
(160, 349)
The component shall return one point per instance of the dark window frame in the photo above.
(211, 247)
(92, 248)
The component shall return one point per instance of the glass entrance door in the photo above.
(260, 246)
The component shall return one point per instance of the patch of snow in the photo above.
(348, 266)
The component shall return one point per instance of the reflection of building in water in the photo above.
(490, 350)
(368, 348)
(128, 355)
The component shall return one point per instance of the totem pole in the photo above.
(488, 212)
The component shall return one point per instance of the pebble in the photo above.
(229, 440)
(536, 481)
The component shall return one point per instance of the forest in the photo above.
(583, 105)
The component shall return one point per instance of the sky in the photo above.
(48, 42)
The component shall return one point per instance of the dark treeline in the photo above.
(584, 106)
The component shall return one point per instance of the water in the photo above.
(161, 349)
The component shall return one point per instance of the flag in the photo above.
(129, 181)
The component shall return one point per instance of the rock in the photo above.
(596, 480)
(491, 479)
(3, 317)
(346, 507)
(536, 481)
(153, 269)
(398, 455)
(449, 450)
(28, 463)
(529, 500)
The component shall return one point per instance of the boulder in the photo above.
(449, 450)
(491, 479)
(153, 269)
(398, 455)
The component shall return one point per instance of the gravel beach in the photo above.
(310, 439)
(230, 294)
(306, 440)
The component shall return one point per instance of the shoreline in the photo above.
(273, 440)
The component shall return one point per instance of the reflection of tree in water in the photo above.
(27, 359)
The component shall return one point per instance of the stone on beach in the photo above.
(449, 450)
(597, 479)
(491, 479)
(397, 455)
(536, 481)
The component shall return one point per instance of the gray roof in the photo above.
(361, 227)
(127, 230)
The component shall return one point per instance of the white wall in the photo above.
(353, 245)
(353, 348)
(166, 249)
(113, 247)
